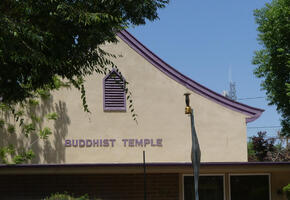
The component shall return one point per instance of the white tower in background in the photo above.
(231, 93)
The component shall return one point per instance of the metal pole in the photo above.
(195, 150)
(144, 167)
(195, 156)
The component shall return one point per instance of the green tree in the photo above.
(273, 59)
(45, 42)
(42, 39)
(251, 152)
(263, 148)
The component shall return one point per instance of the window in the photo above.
(114, 92)
(210, 187)
(250, 187)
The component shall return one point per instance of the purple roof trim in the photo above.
(252, 112)
(189, 164)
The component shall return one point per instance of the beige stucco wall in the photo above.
(159, 103)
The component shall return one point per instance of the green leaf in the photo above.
(28, 129)
(52, 116)
(2, 122)
(10, 128)
(44, 134)
(33, 102)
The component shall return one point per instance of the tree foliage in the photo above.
(42, 39)
(262, 148)
(273, 59)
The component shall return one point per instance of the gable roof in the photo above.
(251, 112)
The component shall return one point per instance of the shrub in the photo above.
(286, 190)
(66, 196)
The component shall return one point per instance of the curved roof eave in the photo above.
(251, 112)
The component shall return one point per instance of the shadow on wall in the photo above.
(50, 150)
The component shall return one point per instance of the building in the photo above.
(100, 154)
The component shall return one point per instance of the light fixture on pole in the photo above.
(187, 101)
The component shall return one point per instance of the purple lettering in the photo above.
(112, 142)
(125, 141)
(88, 143)
(146, 141)
(159, 142)
(105, 143)
(152, 143)
(75, 143)
(95, 143)
(139, 143)
(82, 143)
(131, 142)
(67, 143)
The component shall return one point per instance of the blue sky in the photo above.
(203, 39)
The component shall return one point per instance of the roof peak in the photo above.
(252, 112)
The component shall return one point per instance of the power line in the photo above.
(264, 127)
(251, 98)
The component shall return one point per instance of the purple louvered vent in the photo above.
(114, 92)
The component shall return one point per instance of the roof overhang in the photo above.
(129, 168)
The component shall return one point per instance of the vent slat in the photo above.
(114, 87)
(114, 104)
(114, 95)
(115, 81)
(107, 97)
(113, 77)
(114, 84)
(115, 92)
(115, 98)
